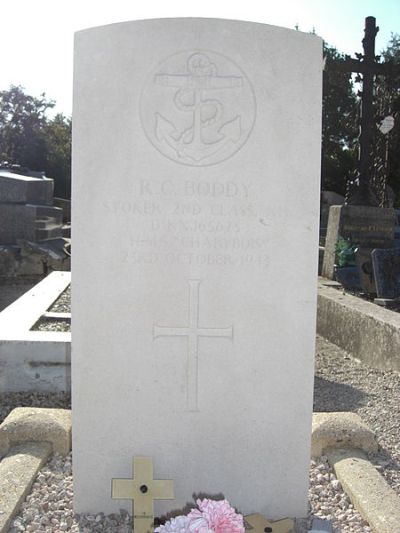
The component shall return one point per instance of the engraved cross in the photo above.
(193, 331)
(142, 490)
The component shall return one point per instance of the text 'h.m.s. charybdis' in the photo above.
(198, 108)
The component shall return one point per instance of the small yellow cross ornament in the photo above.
(142, 490)
(259, 524)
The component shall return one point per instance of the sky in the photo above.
(37, 35)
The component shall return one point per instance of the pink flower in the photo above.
(180, 524)
(215, 517)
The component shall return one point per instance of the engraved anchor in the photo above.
(207, 133)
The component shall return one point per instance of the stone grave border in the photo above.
(346, 442)
(37, 361)
(28, 437)
(365, 330)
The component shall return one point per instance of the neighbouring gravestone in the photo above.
(368, 227)
(387, 273)
(18, 189)
(365, 270)
(328, 198)
(26, 210)
(194, 321)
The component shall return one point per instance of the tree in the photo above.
(388, 103)
(22, 118)
(57, 133)
(30, 139)
(339, 124)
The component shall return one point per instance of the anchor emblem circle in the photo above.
(197, 108)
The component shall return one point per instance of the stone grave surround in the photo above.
(195, 140)
(26, 209)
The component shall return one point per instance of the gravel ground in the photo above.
(61, 305)
(342, 384)
(10, 400)
(52, 325)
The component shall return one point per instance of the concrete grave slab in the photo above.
(19, 189)
(30, 222)
(20, 316)
(200, 130)
(34, 360)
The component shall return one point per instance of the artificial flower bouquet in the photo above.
(210, 517)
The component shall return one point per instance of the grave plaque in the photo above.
(194, 141)
(365, 270)
(368, 227)
(387, 272)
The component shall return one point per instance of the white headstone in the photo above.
(195, 231)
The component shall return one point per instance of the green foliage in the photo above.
(339, 124)
(30, 139)
(345, 252)
(58, 161)
(388, 100)
(340, 119)
(22, 119)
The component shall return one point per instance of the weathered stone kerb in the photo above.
(28, 436)
(25, 424)
(365, 330)
(18, 471)
(377, 503)
(340, 430)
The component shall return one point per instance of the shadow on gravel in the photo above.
(10, 400)
(331, 396)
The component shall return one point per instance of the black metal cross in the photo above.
(360, 192)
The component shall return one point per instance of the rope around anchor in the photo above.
(198, 65)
